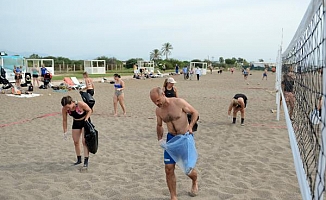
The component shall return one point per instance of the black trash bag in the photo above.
(91, 137)
(88, 99)
(194, 128)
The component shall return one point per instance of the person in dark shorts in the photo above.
(173, 112)
(89, 84)
(80, 112)
(265, 74)
(238, 103)
(35, 74)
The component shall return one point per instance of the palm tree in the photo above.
(166, 49)
(155, 54)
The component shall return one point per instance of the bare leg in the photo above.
(115, 102)
(194, 187)
(235, 113)
(76, 134)
(122, 103)
(171, 180)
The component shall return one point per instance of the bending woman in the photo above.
(118, 96)
(238, 103)
(80, 112)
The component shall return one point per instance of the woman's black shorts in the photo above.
(78, 124)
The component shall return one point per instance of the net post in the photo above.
(320, 178)
(301, 175)
(278, 83)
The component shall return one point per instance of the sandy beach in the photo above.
(235, 162)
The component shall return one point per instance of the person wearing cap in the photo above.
(169, 89)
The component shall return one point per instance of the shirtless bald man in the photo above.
(173, 111)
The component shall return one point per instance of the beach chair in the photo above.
(158, 75)
(71, 84)
(76, 82)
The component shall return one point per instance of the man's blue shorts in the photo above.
(167, 158)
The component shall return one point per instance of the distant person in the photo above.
(245, 74)
(21, 74)
(198, 73)
(191, 73)
(18, 75)
(264, 74)
(135, 71)
(43, 70)
(273, 69)
(173, 112)
(176, 69)
(163, 68)
(89, 84)
(238, 103)
(35, 74)
(80, 112)
(169, 89)
(210, 69)
(185, 72)
(232, 70)
(288, 90)
(119, 86)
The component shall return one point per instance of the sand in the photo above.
(235, 162)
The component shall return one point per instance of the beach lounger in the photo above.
(76, 82)
(158, 75)
(71, 84)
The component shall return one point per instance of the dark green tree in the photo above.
(131, 62)
(34, 56)
(155, 55)
(229, 61)
(221, 60)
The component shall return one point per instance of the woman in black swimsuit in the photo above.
(169, 89)
(80, 112)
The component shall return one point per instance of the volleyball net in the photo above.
(302, 90)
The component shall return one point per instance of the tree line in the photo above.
(159, 56)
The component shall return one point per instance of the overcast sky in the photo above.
(201, 29)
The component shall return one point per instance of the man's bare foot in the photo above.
(115, 114)
(125, 114)
(194, 189)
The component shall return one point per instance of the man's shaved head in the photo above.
(156, 91)
(156, 96)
